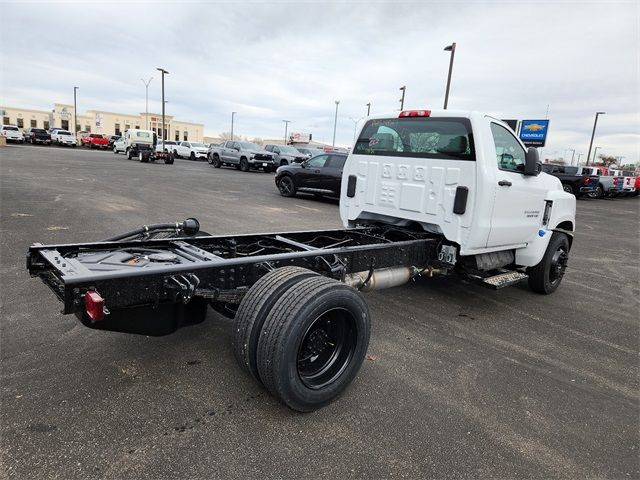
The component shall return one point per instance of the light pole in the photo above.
(593, 134)
(595, 155)
(355, 128)
(75, 112)
(579, 155)
(232, 115)
(146, 100)
(404, 89)
(164, 72)
(368, 108)
(573, 154)
(335, 123)
(449, 48)
(286, 125)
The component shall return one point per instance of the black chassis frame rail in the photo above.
(358, 249)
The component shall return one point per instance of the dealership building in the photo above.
(98, 121)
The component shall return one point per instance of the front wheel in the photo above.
(286, 186)
(129, 154)
(216, 161)
(546, 276)
(313, 342)
(115, 150)
(192, 156)
(244, 165)
(567, 188)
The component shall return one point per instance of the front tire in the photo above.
(115, 150)
(216, 161)
(129, 154)
(192, 156)
(286, 186)
(546, 276)
(244, 165)
(567, 188)
(313, 343)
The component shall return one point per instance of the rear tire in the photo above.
(255, 308)
(313, 343)
(567, 188)
(546, 276)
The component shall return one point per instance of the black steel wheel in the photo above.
(313, 342)
(244, 165)
(255, 308)
(546, 276)
(286, 186)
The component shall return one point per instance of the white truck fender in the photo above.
(562, 218)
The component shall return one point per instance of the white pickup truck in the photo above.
(465, 176)
(190, 150)
(64, 137)
(423, 193)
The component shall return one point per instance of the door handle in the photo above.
(317, 171)
(504, 183)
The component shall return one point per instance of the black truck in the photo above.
(572, 182)
(37, 135)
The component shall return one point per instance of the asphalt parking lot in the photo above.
(462, 381)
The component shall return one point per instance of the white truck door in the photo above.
(410, 169)
(519, 199)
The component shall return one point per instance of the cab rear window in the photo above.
(430, 137)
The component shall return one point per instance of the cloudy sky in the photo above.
(277, 60)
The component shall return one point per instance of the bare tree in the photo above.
(224, 136)
(257, 140)
(606, 160)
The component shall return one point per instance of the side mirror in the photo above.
(531, 162)
(303, 165)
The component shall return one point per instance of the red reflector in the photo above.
(415, 113)
(586, 180)
(94, 304)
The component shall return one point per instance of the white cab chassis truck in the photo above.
(423, 193)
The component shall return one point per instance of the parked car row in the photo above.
(595, 181)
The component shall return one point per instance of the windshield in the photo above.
(423, 137)
(143, 134)
(10, 128)
(63, 132)
(291, 150)
(249, 146)
(198, 145)
(38, 130)
(95, 135)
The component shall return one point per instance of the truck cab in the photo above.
(136, 141)
(463, 175)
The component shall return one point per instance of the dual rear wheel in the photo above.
(301, 335)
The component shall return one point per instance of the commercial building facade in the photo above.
(98, 121)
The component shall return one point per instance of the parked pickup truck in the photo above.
(285, 155)
(423, 193)
(578, 185)
(607, 186)
(628, 180)
(37, 135)
(64, 137)
(94, 140)
(190, 150)
(12, 133)
(242, 155)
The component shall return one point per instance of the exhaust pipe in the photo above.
(381, 278)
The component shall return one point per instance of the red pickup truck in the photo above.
(93, 140)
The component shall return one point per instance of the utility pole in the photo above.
(75, 112)
(404, 89)
(286, 125)
(163, 130)
(355, 128)
(368, 108)
(232, 115)
(335, 123)
(593, 132)
(449, 48)
(146, 100)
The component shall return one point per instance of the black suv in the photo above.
(320, 175)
